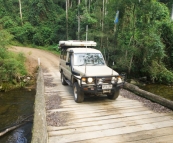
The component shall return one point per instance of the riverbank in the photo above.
(16, 105)
(165, 91)
(19, 98)
(48, 61)
(27, 81)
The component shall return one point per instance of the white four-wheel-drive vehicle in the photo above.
(84, 68)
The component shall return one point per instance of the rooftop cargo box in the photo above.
(76, 44)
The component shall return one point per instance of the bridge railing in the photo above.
(39, 132)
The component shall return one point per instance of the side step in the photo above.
(68, 82)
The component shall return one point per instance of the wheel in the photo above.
(62, 79)
(78, 93)
(114, 95)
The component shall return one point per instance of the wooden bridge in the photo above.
(101, 120)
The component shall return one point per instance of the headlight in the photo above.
(86, 80)
(114, 80)
(90, 80)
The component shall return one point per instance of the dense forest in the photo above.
(135, 34)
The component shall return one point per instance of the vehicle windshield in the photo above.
(92, 59)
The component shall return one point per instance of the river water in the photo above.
(162, 90)
(15, 105)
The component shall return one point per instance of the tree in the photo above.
(20, 8)
(78, 20)
(67, 5)
(142, 40)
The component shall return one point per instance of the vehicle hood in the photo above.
(94, 70)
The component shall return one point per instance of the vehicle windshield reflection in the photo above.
(91, 59)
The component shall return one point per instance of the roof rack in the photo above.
(76, 44)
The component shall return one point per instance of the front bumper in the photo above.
(97, 89)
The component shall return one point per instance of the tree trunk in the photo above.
(22, 122)
(106, 7)
(86, 5)
(172, 14)
(103, 11)
(68, 3)
(102, 24)
(20, 8)
(10, 129)
(153, 97)
(71, 5)
(89, 6)
(130, 65)
(78, 20)
(67, 18)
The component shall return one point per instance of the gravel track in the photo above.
(147, 103)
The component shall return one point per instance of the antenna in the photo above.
(112, 68)
(86, 34)
(86, 45)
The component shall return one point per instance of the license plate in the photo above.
(109, 86)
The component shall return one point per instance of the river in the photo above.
(162, 90)
(15, 105)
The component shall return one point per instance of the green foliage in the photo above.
(10, 64)
(159, 73)
(89, 19)
(23, 34)
(5, 38)
(167, 36)
(7, 22)
(42, 36)
(142, 38)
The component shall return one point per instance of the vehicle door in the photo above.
(68, 67)
(63, 61)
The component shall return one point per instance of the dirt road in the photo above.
(47, 60)
(96, 120)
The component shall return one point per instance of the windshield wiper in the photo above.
(82, 64)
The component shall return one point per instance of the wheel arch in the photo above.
(73, 79)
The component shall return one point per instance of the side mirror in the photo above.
(123, 76)
(68, 64)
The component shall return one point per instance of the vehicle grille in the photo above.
(103, 80)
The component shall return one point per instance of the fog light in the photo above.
(119, 80)
(84, 79)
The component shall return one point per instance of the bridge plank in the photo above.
(161, 135)
(96, 121)
(110, 132)
(90, 107)
(107, 124)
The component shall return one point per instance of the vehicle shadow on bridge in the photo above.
(101, 98)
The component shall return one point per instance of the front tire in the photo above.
(62, 79)
(114, 95)
(78, 93)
